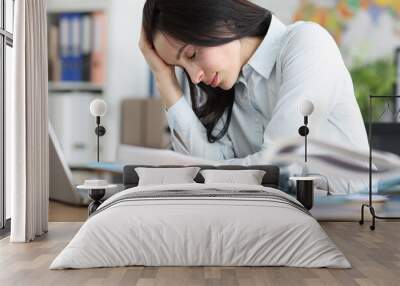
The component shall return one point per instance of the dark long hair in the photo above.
(207, 23)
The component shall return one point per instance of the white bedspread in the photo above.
(184, 231)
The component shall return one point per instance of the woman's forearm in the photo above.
(169, 89)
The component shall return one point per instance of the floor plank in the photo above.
(60, 212)
(375, 257)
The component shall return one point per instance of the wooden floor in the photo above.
(375, 257)
(60, 212)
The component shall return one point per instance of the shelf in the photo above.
(72, 86)
(57, 6)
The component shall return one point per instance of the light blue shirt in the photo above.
(293, 63)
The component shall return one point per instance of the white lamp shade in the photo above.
(98, 107)
(306, 107)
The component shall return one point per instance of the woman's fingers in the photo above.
(145, 46)
(144, 43)
(167, 83)
(150, 54)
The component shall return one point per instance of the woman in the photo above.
(247, 74)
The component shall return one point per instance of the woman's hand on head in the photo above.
(164, 73)
(158, 66)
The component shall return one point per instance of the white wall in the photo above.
(127, 72)
(283, 9)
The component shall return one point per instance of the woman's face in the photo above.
(215, 66)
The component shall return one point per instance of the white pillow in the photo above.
(248, 177)
(163, 176)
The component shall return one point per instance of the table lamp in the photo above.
(306, 107)
(98, 108)
(96, 187)
(304, 183)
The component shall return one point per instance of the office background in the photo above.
(367, 31)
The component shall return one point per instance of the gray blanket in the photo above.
(203, 194)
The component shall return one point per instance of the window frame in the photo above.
(6, 39)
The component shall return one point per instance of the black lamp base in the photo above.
(96, 195)
(305, 193)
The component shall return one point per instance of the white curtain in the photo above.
(27, 141)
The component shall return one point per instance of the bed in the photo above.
(201, 224)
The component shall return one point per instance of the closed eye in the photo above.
(193, 56)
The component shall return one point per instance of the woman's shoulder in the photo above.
(305, 37)
(308, 33)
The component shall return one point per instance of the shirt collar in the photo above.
(264, 58)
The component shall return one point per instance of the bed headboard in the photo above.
(270, 179)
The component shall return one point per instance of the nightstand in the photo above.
(97, 190)
(305, 190)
